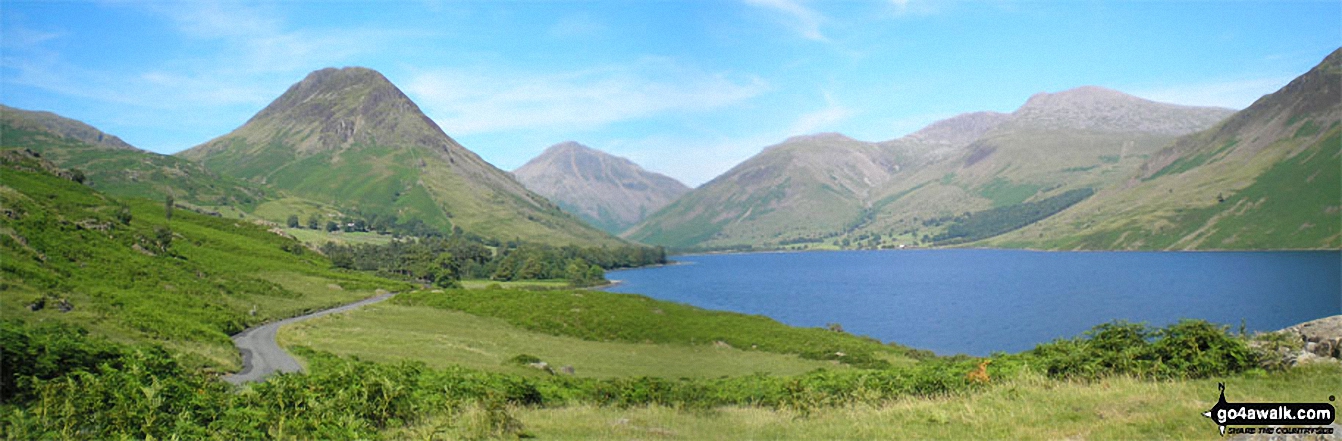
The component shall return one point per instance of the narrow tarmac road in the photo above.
(262, 356)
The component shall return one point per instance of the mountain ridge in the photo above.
(908, 190)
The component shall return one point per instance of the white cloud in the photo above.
(1234, 94)
(805, 21)
(487, 100)
(821, 120)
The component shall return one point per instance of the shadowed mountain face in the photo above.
(828, 190)
(117, 168)
(350, 138)
(1268, 177)
(609, 192)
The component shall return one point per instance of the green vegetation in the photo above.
(603, 316)
(126, 270)
(989, 223)
(444, 261)
(1003, 192)
(388, 333)
(133, 173)
(80, 386)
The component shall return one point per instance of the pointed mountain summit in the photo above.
(350, 138)
(607, 191)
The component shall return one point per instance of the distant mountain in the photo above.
(117, 168)
(349, 138)
(607, 191)
(913, 190)
(1268, 177)
(801, 187)
(56, 125)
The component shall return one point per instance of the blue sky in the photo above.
(686, 88)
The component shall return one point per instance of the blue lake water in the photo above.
(982, 301)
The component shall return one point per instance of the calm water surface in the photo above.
(982, 301)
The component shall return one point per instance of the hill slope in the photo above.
(350, 138)
(124, 270)
(802, 186)
(1269, 177)
(117, 168)
(607, 191)
(831, 191)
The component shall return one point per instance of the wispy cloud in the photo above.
(1234, 94)
(487, 100)
(822, 119)
(802, 19)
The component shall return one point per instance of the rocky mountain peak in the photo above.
(1099, 109)
(608, 191)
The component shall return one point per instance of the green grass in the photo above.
(1029, 407)
(441, 338)
(321, 237)
(516, 284)
(218, 275)
(1003, 192)
(603, 316)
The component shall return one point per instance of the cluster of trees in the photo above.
(989, 223)
(443, 261)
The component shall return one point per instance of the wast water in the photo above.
(982, 301)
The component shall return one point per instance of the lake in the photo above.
(982, 301)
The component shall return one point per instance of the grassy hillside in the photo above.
(829, 191)
(126, 171)
(1266, 178)
(130, 273)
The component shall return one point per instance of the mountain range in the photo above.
(824, 190)
(1086, 168)
(606, 191)
(349, 138)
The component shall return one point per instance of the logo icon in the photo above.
(1268, 414)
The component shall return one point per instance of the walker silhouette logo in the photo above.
(1270, 414)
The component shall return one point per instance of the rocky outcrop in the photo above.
(1313, 341)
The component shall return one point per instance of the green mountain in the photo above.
(803, 185)
(832, 191)
(117, 168)
(607, 191)
(349, 138)
(1268, 177)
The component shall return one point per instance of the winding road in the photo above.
(262, 356)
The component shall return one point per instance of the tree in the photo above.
(163, 237)
(167, 206)
(314, 221)
(293, 221)
(332, 226)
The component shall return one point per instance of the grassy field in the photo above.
(603, 316)
(440, 338)
(1029, 407)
